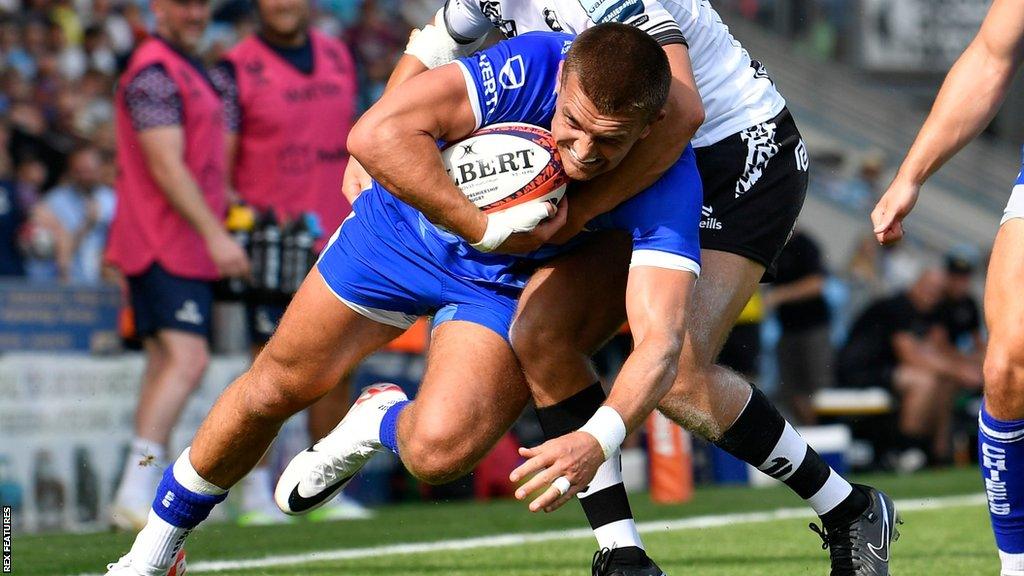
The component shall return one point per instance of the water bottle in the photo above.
(240, 222)
(298, 255)
(272, 254)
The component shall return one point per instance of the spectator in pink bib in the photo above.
(167, 235)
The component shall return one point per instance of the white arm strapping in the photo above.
(433, 46)
(607, 427)
(501, 225)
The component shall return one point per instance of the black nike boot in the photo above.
(861, 548)
(628, 561)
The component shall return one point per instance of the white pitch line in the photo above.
(516, 539)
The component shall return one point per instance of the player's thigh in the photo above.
(575, 301)
(320, 339)
(727, 281)
(472, 392)
(1004, 316)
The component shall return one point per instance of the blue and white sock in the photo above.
(1001, 455)
(389, 425)
(183, 500)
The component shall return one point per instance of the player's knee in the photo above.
(189, 363)
(435, 458)
(1004, 376)
(537, 342)
(278, 391)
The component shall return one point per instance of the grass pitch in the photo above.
(938, 542)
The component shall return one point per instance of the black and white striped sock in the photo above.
(604, 501)
(762, 438)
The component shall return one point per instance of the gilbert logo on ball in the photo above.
(504, 165)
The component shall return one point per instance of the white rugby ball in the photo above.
(503, 165)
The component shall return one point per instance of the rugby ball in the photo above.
(504, 165)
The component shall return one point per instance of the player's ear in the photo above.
(647, 127)
(558, 77)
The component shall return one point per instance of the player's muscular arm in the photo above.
(396, 141)
(163, 148)
(650, 157)
(656, 303)
(971, 94)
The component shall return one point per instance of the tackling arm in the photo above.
(656, 303)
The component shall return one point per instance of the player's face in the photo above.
(284, 17)
(591, 143)
(183, 22)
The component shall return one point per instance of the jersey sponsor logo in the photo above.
(513, 73)
(189, 314)
(761, 148)
(295, 159)
(708, 220)
(331, 155)
(313, 92)
(485, 167)
(551, 19)
(603, 11)
(490, 85)
(993, 462)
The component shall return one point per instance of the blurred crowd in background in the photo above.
(60, 60)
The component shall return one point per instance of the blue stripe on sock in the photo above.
(389, 425)
(1002, 468)
(179, 506)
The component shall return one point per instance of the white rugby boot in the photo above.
(123, 567)
(316, 475)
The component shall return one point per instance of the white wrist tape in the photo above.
(501, 225)
(433, 46)
(608, 428)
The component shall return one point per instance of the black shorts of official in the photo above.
(754, 182)
(262, 316)
(163, 301)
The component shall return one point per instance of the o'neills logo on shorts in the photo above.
(708, 220)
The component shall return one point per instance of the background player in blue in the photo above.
(473, 388)
(970, 96)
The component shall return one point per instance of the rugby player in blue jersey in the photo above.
(392, 262)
